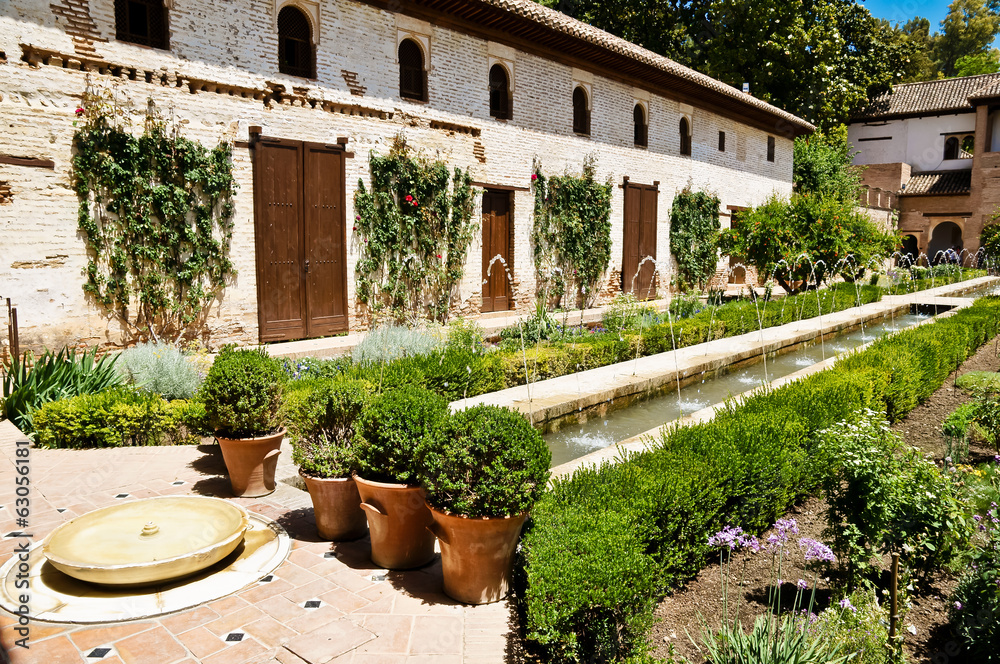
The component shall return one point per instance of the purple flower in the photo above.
(815, 550)
(958, 606)
(996, 458)
(748, 542)
(846, 604)
(726, 537)
(802, 585)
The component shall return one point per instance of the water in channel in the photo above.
(576, 440)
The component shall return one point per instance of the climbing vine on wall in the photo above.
(415, 232)
(156, 212)
(572, 232)
(694, 235)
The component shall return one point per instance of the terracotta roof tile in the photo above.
(939, 182)
(950, 94)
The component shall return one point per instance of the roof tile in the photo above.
(939, 182)
(949, 94)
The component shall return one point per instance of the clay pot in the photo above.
(337, 507)
(477, 555)
(398, 521)
(251, 463)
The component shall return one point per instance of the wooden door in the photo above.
(496, 242)
(737, 264)
(301, 239)
(640, 240)
(325, 236)
(280, 289)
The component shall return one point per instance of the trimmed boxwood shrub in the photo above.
(487, 462)
(243, 393)
(321, 427)
(119, 417)
(391, 429)
(743, 468)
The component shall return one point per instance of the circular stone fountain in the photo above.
(147, 541)
(142, 559)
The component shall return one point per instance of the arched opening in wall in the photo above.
(500, 101)
(946, 243)
(412, 75)
(641, 132)
(685, 131)
(909, 252)
(968, 147)
(951, 147)
(141, 22)
(296, 56)
(581, 111)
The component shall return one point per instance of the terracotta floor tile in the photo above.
(378, 658)
(284, 656)
(155, 646)
(36, 632)
(270, 632)
(182, 622)
(437, 659)
(237, 654)
(281, 608)
(329, 641)
(315, 618)
(201, 642)
(310, 590)
(383, 605)
(392, 634)
(377, 591)
(436, 635)
(295, 575)
(351, 580)
(343, 600)
(231, 621)
(304, 558)
(58, 650)
(436, 604)
(228, 605)
(90, 638)
(264, 590)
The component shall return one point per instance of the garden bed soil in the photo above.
(682, 613)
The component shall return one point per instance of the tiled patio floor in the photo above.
(326, 603)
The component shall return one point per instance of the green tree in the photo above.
(805, 240)
(822, 165)
(694, 235)
(968, 29)
(920, 66)
(987, 62)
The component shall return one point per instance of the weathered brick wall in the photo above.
(220, 77)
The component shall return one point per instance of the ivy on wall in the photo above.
(694, 236)
(156, 212)
(415, 232)
(572, 232)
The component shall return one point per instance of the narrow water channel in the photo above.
(577, 440)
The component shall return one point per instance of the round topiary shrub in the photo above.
(321, 428)
(242, 393)
(487, 462)
(392, 427)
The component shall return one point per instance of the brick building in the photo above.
(935, 144)
(487, 85)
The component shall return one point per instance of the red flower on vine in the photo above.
(534, 176)
(439, 255)
(354, 228)
(79, 110)
(409, 198)
(416, 204)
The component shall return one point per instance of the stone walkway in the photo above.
(325, 603)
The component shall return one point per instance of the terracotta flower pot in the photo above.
(337, 507)
(477, 555)
(398, 521)
(251, 463)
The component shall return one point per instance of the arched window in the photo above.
(499, 93)
(685, 129)
(412, 77)
(581, 113)
(295, 48)
(141, 22)
(968, 146)
(641, 132)
(951, 148)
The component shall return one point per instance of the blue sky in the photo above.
(901, 11)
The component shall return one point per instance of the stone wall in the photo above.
(220, 77)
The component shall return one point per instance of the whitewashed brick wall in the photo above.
(233, 46)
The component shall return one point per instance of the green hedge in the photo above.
(608, 542)
(118, 417)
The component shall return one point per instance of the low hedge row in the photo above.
(118, 417)
(606, 544)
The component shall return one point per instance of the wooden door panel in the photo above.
(281, 296)
(325, 241)
(630, 251)
(646, 285)
(496, 242)
(639, 242)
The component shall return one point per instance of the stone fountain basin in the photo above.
(147, 541)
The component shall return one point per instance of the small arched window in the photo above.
(499, 93)
(141, 22)
(685, 130)
(295, 48)
(581, 112)
(412, 76)
(641, 132)
(951, 148)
